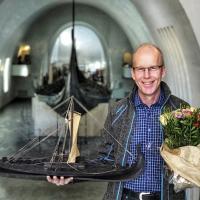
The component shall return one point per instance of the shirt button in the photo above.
(149, 130)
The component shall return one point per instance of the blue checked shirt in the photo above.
(147, 132)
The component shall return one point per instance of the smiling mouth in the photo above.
(148, 83)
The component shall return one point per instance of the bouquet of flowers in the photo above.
(181, 149)
(181, 127)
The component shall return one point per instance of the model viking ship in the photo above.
(65, 159)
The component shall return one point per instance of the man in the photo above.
(135, 120)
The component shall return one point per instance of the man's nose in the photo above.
(146, 72)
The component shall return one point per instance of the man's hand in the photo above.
(59, 181)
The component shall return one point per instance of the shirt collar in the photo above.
(137, 100)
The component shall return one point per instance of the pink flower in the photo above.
(186, 112)
(178, 114)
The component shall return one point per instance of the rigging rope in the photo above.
(97, 122)
(32, 144)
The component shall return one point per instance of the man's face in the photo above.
(148, 71)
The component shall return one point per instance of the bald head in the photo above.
(148, 49)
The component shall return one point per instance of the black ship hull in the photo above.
(91, 170)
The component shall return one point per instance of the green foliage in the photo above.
(181, 127)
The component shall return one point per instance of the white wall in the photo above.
(192, 9)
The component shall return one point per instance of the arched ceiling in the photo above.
(140, 21)
(17, 15)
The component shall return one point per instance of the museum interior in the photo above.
(53, 52)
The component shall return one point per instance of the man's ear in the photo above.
(132, 73)
(163, 71)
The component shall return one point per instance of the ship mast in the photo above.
(73, 117)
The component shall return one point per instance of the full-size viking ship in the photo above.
(88, 92)
(74, 83)
(65, 159)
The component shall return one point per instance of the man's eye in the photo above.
(141, 69)
(153, 68)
